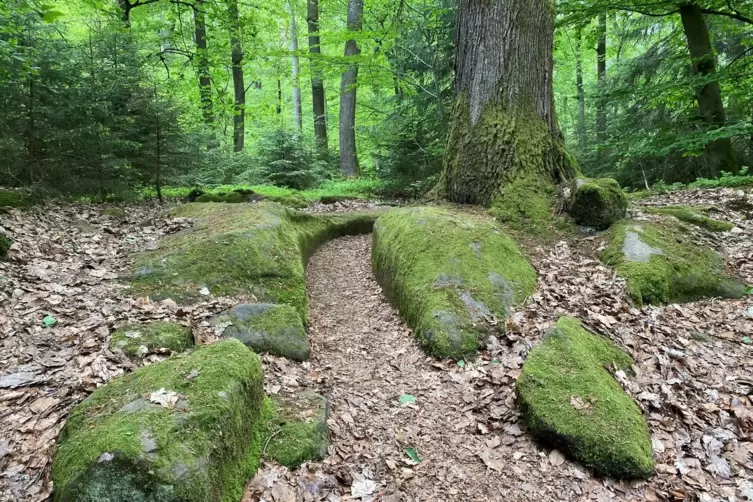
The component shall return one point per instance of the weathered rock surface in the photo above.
(185, 429)
(449, 274)
(266, 328)
(597, 203)
(692, 215)
(571, 402)
(137, 340)
(661, 264)
(297, 428)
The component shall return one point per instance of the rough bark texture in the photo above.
(293, 45)
(205, 79)
(317, 82)
(719, 153)
(601, 75)
(505, 148)
(348, 156)
(582, 140)
(239, 88)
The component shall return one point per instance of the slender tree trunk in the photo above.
(297, 113)
(202, 58)
(239, 88)
(601, 75)
(348, 87)
(505, 148)
(317, 81)
(125, 12)
(279, 95)
(582, 140)
(720, 154)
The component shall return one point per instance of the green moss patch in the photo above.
(266, 328)
(259, 249)
(200, 444)
(5, 244)
(526, 203)
(114, 212)
(241, 196)
(297, 429)
(137, 340)
(571, 402)
(14, 198)
(661, 264)
(692, 215)
(449, 273)
(597, 203)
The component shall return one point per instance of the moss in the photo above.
(289, 201)
(693, 216)
(14, 198)
(114, 212)
(234, 198)
(5, 244)
(265, 328)
(571, 402)
(297, 429)
(153, 336)
(334, 199)
(118, 442)
(598, 203)
(210, 197)
(526, 203)
(448, 272)
(259, 249)
(662, 265)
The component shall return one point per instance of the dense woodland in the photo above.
(101, 98)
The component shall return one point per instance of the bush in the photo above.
(286, 160)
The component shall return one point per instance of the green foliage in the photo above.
(157, 335)
(726, 180)
(285, 160)
(5, 244)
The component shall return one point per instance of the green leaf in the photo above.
(49, 14)
(49, 321)
(749, 290)
(747, 340)
(407, 399)
(413, 455)
(461, 363)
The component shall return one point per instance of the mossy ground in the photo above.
(234, 197)
(679, 271)
(447, 272)
(5, 244)
(114, 212)
(598, 203)
(153, 336)
(297, 429)
(527, 203)
(259, 248)
(570, 402)
(693, 216)
(14, 198)
(203, 449)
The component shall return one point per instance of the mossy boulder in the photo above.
(266, 328)
(571, 402)
(661, 264)
(259, 249)
(241, 196)
(115, 212)
(5, 244)
(14, 198)
(597, 203)
(209, 197)
(200, 443)
(449, 273)
(297, 429)
(692, 215)
(137, 340)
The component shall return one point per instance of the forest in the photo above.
(376, 250)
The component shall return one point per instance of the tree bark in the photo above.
(720, 154)
(297, 114)
(504, 145)
(601, 75)
(582, 140)
(239, 88)
(348, 87)
(317, 82)
(202, 57)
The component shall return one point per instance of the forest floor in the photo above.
(694, 364)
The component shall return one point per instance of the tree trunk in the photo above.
(297, 114)
(317, 82)
(582, 140)
(505, 148)
(601, 75)
(349, 81)
(719, 153)
(239, 88)
(202, 57)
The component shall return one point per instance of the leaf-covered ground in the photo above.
(391, 404)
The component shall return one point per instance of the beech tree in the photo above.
(317, 79)
(348, 83)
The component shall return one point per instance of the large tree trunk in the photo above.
(582, 140)
(719, 153)
(505, 148)
(202, 57)
(297, 114)
(348, 156)
(239, 88)
(317, 82)
(601, 75)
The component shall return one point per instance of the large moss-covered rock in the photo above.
(137, 340)
(571, 402)
(692, 215)
(661, 264)
(259, 249)
(597, 203)
(199, 444)
(297, 429)
(449, 273)
(266, 328)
